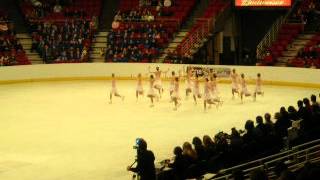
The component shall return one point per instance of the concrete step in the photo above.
(101, 40)
(96, 56)
(36, 62)
(34, 58)
(103, 33)
(173, 45)
(295, 47)
(182, 33)
(99, 45)
(26, 46)
(305, 36)
(178, 40)
(300, 42)
(32, 53)
(281, 64)
(290, 53)
(95, 52)
(98, 60)
(284, 59)
(23, 36)
(25, 41)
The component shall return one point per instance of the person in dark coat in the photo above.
(145, 162)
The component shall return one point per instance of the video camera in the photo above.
(138, 143)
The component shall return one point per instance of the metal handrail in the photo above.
(304, 154)
(273, 32)
(195, 37)
(306, 144)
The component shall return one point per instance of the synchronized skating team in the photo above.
(211, 94)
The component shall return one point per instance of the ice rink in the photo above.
(68, 130)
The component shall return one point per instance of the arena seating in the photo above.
(292, 127)
(62, 33)
(289, 32)
(11, 50)
(63, 43)
(140, 32)
(202, 27)
(309, 56)
(295, 163)
(45, 10)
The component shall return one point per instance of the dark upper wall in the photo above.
(252, 27)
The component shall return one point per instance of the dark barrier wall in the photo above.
(252, 27)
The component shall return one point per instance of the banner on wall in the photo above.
(203, 71)
(263, 3)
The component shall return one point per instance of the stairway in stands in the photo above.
(212, 15)
(26, 42)
(178, 38)
(99, 42)
(292, 50)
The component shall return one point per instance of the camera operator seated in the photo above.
(145, 162)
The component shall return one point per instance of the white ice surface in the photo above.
(69, 131)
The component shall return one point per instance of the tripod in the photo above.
(135, 175)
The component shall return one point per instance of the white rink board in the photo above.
(128, 70)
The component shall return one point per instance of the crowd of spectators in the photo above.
(68, 42)
(308, 12)
(174, 57)
(62, 30)
(259, 139)
(134, 15)
(141, 29)
(165, 3)
(309, 56)
(136, 42)
(35, 9)
(11, 50)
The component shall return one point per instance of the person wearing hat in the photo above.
(145, 162)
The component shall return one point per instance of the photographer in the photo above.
(145, 162)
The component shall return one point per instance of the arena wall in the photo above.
(126, 71)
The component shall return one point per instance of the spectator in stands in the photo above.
(268, 59)
(238, 175)
(57, 8)
(282, 122)
(199, 148)
(249, 136)
(315, 105)
(293, 113)
(236, 144)
(258, 174)
(179, 164)
(283, 173)
(209, 146)
(261, 127)
(189, 153)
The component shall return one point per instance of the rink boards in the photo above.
(283, 76)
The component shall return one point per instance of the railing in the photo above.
(272, 34)
(196, 35)
(270, 37)
(294, 158)
(201, 30)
